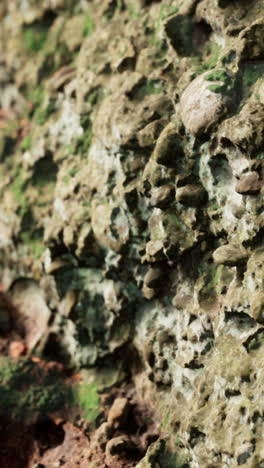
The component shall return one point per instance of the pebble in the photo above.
(103, 434)
(230, 255)
(16, 349)
(250, 184)
(163, 196)
(152, 278)
(201, 107)
(118, 445)
(118, 412)
(168, 148)
(191, 195)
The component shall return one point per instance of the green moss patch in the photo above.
(35, 38)
(223, 83)
(89, 25)
(250, 73)
(210, 59)
(86, 397)
(25, 389)
(34, 240)
(84, 141)
(18, 187)
(26, 143)
(148, 88)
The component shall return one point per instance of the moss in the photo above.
(89, 25)
(229, 57)
(35, 38)
(66, 179)
(25, 389)
(166, 11)
(84, 142)
(35, 96)
(94, 96)
(211, 58)
(225, 83)
(35, 242)
(148, 88)
(18, 188)
(250, 73)
(42, 114)
(73, 171)
(39, 109)
(173, 460)
(87, 398)
(26, 143)
(217, 75)
(133, 12)
(165, 424)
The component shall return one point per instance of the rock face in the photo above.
(131, 161)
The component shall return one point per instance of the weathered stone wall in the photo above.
(131, 159)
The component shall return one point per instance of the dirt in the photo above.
(65, 438)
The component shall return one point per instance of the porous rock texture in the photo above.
(131, 160)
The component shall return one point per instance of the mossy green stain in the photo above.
(25, 389)
(42, 114)
(211, 59)
(223, 82)
(84, 141)
(166, 11)
(87, 398)
(250, 73)
(73, 171)
(18, 187)
(133, 12)
(149, 87)
(34, 242)
(26, 143)
(35, 38)
(89, 25)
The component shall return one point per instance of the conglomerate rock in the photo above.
(131, 159)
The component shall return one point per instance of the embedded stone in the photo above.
(32, 313)
(118, 412)
(230, 255)
(168, 148)
(103, 434)
(253, 40)
(149, 134)
(245, 129)
(153, 277)
(191, 195)
(148, 293)
(250, 184)
(154, 251)
(118, 445)
(204, 102)
(163, 196)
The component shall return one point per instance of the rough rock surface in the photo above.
(131, 161)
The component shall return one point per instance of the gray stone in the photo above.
(103, 434)
(118, 412)
(163, 196)
(118, 445)
(230, 255)
(168, 148)
(201, 106)
(249, 184)
(153, 277)
(191, 195)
